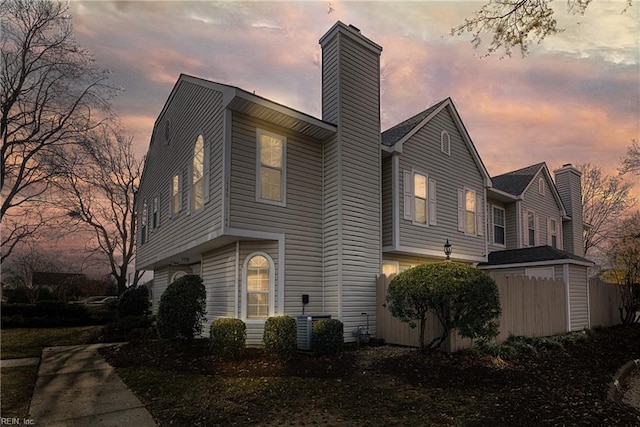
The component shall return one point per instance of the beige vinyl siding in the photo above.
(160, 283)
(219, 277)
(578, 297)
(331, 230)
(544, 206)
(300, 220)
(387, 201)
(511, 217)
(422, 153)
(193, 110)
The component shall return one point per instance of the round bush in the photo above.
(228, 336)
(182, 309)
(280, 336)
(134, 302)
(328, 336)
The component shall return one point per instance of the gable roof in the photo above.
(240, 100)
(536, 254)
(516, 182)
(399, 131)
(393, 138)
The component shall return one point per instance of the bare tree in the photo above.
(631, 161)
(624, 259)
(605, 200)
(51, 93)
(98, 190)
(18, 272)
(516, 23)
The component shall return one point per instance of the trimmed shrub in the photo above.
(182, 309)
(328, 336)
(228, 336)
(134, 302)
(462, 298)
(280, 336)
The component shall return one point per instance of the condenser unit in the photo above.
(305, 329)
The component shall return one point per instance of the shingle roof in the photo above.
(517, 181)
(399, 131)
(527, 255)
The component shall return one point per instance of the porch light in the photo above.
(447, 250)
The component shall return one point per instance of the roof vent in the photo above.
(354, 27)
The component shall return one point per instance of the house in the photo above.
(281, 213)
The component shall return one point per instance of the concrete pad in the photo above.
(14, 363)
(76, 387)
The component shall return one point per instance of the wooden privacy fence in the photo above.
(530, 307)
(604, 302)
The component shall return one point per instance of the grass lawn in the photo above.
(18, 382)
(383, 386)
(29, 342)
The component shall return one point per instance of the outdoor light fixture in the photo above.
(447, 250)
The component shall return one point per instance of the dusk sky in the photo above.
(574, 99)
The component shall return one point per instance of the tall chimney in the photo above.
(352, 162)
(570, 189)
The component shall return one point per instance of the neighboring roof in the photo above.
(399, 131)
(393, 138)
(532, 255)
(516, 182)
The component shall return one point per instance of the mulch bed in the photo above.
(383, 385)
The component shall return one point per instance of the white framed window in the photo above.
(419, 198)
(259, 274)
(420, 203)
(176, 196)
(144, 222)
(197, 175)
(531, 228)
(390, 267)
(155, 215)
(271, 168)
(499, 225)
(553, 233)
(541, 187)
(470, 218)
(177, 275)
(445, 142)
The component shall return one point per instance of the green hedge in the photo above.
(134, 302)
(328, 336)
(280, 336)
(228, 336)
(182, 308)
(49, 314)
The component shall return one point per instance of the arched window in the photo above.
(197, 184)
(177, 275)
(259, 276)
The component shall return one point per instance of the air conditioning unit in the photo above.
(304, 325)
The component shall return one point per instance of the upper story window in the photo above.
(176, 198)
(271, 168)
(155, 216)
(470, 216)
(541, 187)
(445, 142)
(499, 226)
(259, 277)
(197, 183)
(420, 205)
(553, 232)
(419, 198)
(470, 209)
(531, 228)
(143, 222)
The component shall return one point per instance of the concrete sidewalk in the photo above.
(77, 387)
